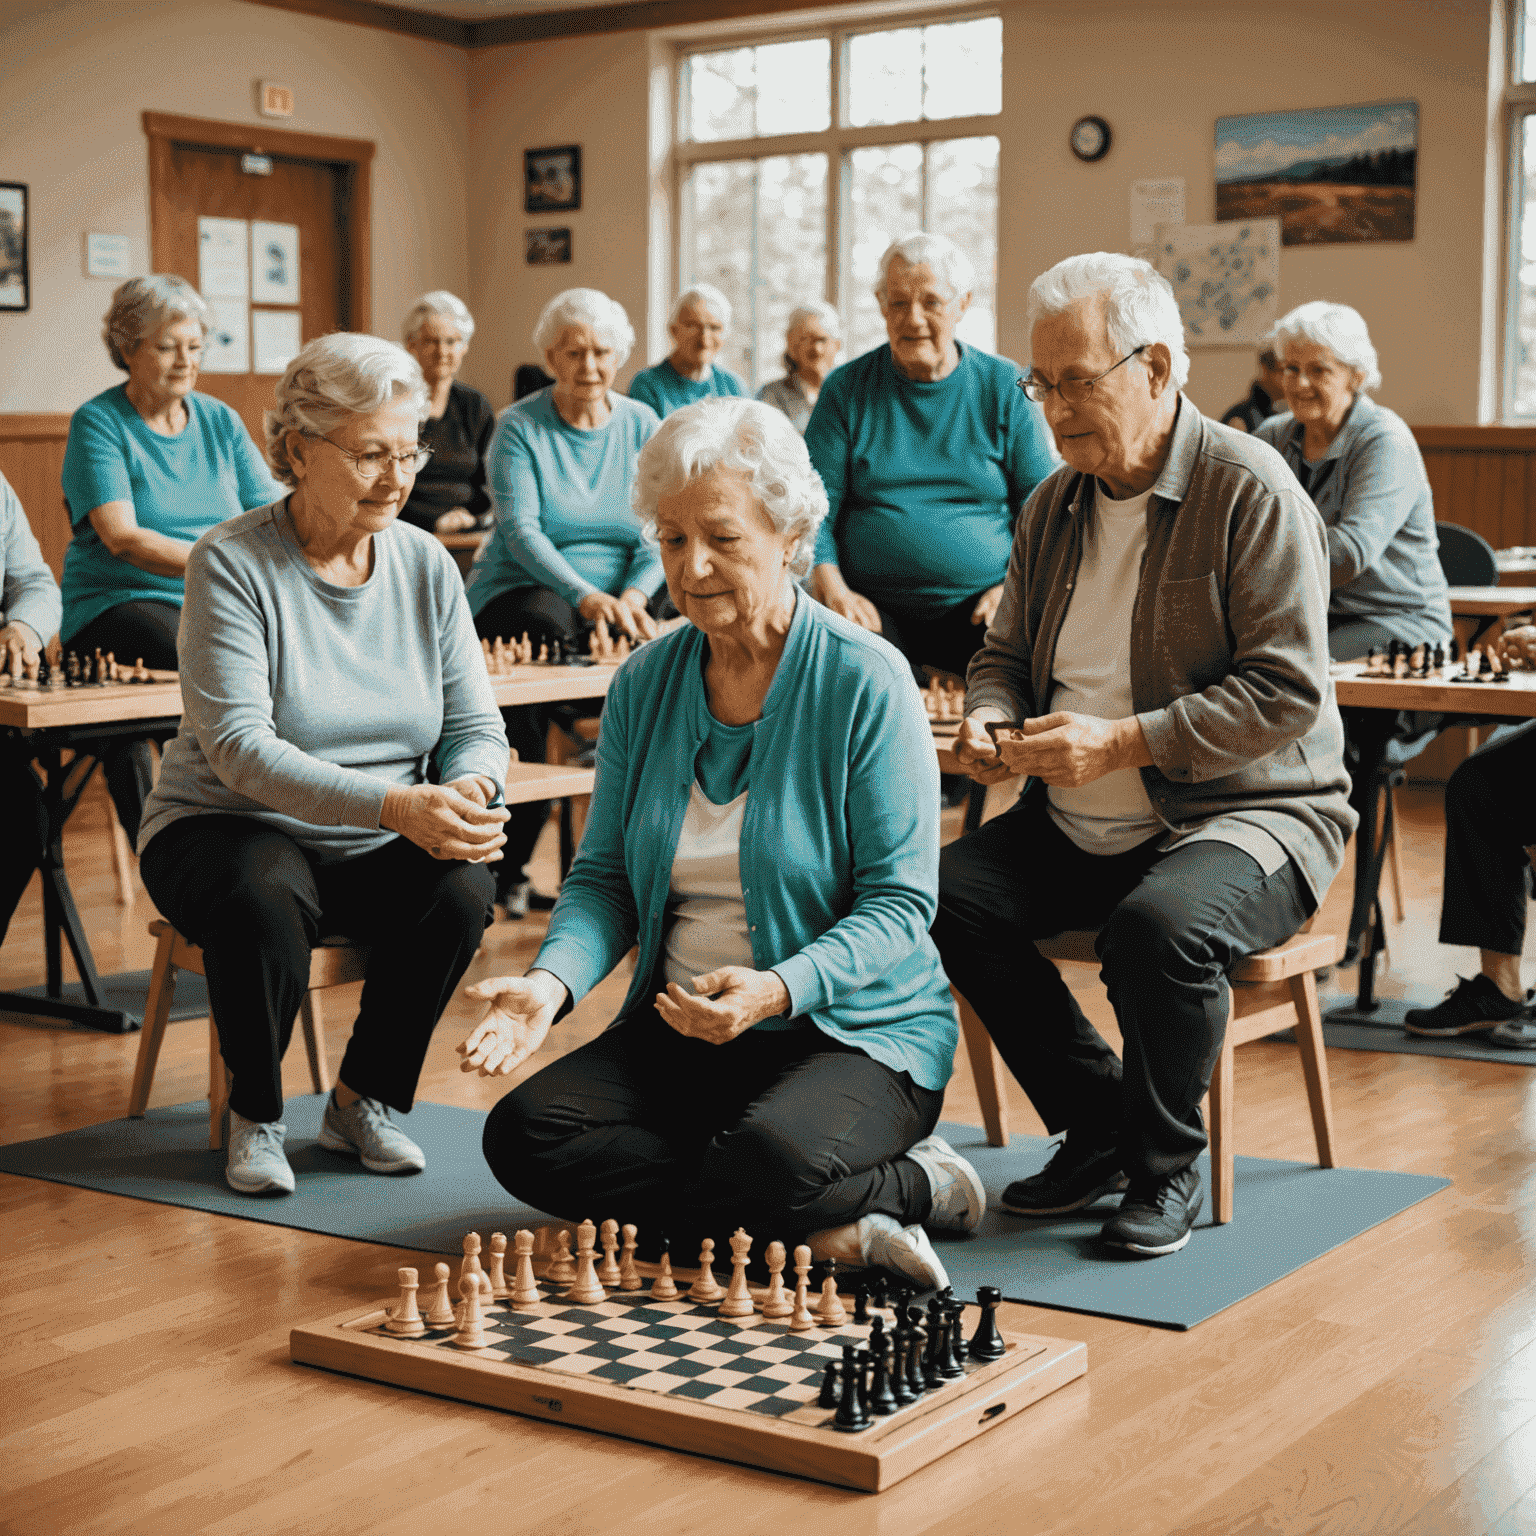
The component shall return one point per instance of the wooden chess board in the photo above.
(30, 707)
(677, 1374)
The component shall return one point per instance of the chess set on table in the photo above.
(502, 656)
(745, 1373)
(96, 671)
(944, 702)
(1495, 664)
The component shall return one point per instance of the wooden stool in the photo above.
(331, 964)
(1271, 990)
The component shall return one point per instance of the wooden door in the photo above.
(202, 170)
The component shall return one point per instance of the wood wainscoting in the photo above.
(1484, 478)
(32, 459)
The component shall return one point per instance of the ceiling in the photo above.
(491, 10)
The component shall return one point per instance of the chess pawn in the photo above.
(471, 1334)
(608, 1270)
(471, 1266)
(800, 1318)
(852, 1412)
(882, 1398)
(586, 1290)
(525, 1288)
(776, 1303)
(829, 1378)
(405, 1318)
(72, 670)
(525, 649)
(112, 666)
(706, 1287)
(629, 1276)
(544, 653)
(738, 1299)
(439, 1308)
(664, 1287)
(830, 1313)
(900, 1389)
(562, 1268)
(496, 1268)
(141, 672)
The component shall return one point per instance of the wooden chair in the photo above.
(560, 746)
(332, 964)
(1271, 990)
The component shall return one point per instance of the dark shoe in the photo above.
(1156, 1215)
(1475, 1004)
(1076, 1176)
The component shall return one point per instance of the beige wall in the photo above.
(74, 78)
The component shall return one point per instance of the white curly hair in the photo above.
(735, 434)
(707, 295)
(438, 302)
(948, 263)
(1336, 326)
(586, 306)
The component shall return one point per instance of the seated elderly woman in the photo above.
(150, 466)
(765, 828)
(927, 451)
(449, 494)
(328, 660)
(812, 341)
(701, 320)
(566, 551)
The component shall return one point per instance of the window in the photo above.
(800, 160)
(1520, 291)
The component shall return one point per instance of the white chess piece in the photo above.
(525, 1288)
(738, 1299)
(777, 1302)
(405, 1318)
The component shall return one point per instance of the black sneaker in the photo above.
(1076, 1176)
(1473, 1005)
(1156, 1215)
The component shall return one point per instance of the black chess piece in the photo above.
(852, 1414)
(72, 670)
(1486, 667)
(44, 671)
(947, 1361)
(917, 1338)
(933, 1375)
(828, 1398)
(880, 1294)
(987, 1343)
(900, 1389)
(1439, 657)
(1454, 652)
(957, 1343)
(861, 1303)
(556, 654)
(882, 1398)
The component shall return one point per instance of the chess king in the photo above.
(1161, 650)
(784, 957)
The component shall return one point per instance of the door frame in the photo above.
(353, 157)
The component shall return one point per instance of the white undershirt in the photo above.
(709, 916)
(1092, 675)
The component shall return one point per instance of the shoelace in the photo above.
(268, 1137)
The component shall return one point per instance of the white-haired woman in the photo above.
(566, 550)
(812, 340)
(449, 494)
(765, 828)
(329, 661)
(1361, 466)
(150, 466)
(701, 320)
(928, 452)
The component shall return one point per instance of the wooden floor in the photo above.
(1388, 1387)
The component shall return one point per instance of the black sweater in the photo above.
(455, 474)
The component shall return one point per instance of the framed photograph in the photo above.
(15, 275)
(547, 247)
(552, 180)
(1329, 174)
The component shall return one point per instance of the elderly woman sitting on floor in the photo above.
(327, 657)
(765, 828)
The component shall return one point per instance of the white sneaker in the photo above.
(256, 1162)
(903, 1250)
(959, 1198)
(365, 1130)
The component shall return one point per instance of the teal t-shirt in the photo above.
(924, 481)
(180, 486)
(665, 390)
(561, 495)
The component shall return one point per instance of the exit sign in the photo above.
(274, 100)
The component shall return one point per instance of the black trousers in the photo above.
(1490, 820)
(141, 628)
(784, 1132)
(1171, 926)
(25, 828)
(936, 637)
(257, 903)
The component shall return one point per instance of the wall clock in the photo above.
(1090, 138)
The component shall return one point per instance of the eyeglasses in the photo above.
(1073, 391)
(371, 465)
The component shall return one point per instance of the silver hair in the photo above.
(1335, 326)
(744, 435)
(586, 306)
(438, 302)
(1139, 306)
(334, 377)
(948, 263)
(817, 310)
(143, 306)
(707, 295)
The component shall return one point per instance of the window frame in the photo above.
(837, 142)
(1519, 103)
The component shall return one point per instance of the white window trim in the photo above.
(1518, 103)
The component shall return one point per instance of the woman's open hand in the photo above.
(444, 821)
(724, 1002)
(521, 1010)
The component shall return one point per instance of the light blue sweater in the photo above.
(561, 494)
(839, 843)
(665, 390)
(305, 701)
(28, 593)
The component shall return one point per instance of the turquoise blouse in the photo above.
(839, 842)
(665, 390)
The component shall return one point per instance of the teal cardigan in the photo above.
(839, 843)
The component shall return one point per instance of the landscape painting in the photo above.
(1328, 174)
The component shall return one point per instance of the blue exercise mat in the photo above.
(1287, 1213)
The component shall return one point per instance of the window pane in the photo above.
(1523, 343)
(962, 203)
(885, 77)
(794, 87)
(791, 253)
(719, 95)
(1525, 43)
(885, 202)
(963, 68)
(718, 203)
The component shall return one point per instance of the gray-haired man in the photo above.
(1162, 640)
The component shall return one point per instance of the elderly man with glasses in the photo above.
(1160, 653)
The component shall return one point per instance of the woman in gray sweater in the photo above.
(327, 659)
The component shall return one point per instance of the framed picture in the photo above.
(1226, 278)
(552, 180)
(1329, 174)
(547, 247)
(15, 274)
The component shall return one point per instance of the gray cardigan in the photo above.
(1229, 645)
(28, 593)
(1374, 498)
